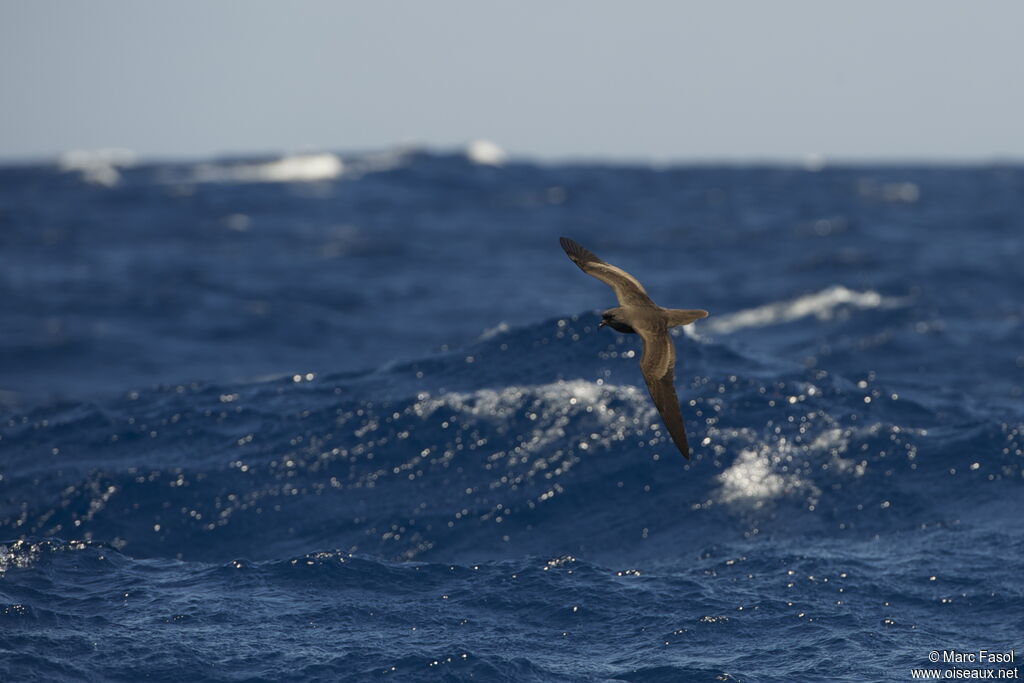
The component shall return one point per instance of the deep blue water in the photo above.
(261, 425)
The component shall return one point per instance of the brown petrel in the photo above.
(637, 314)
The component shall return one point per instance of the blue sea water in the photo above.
(352, 419)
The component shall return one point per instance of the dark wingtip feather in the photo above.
(576, 251)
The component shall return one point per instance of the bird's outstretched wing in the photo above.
(628, 289)
(659, 367)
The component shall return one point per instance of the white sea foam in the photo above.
(751, 478)
(550, 407)
(486, 153)
(301, 168)
(821, 304)
(762, 473)
(554, 398)
(492, 332)
(97, 166)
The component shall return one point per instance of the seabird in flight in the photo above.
(637, 314)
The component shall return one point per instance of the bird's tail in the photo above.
(679, 316)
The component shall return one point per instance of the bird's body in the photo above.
(637, 314)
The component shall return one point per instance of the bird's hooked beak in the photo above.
(602, 324)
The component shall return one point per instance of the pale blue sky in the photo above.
(866, 80)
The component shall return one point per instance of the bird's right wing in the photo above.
(659, 367)
(628, 289)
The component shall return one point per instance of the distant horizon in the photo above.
(126, 157)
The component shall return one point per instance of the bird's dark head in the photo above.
(607, 317)
(615, 319)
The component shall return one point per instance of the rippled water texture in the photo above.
(326, 418)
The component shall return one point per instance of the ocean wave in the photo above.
(299, 168)
(823, 305)
(365, 617)
(339, 477)
(98, 166)
(427, 458)
(485, 153)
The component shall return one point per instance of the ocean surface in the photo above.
(350, 417)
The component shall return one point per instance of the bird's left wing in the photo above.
(628, 289)
(658, 365)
